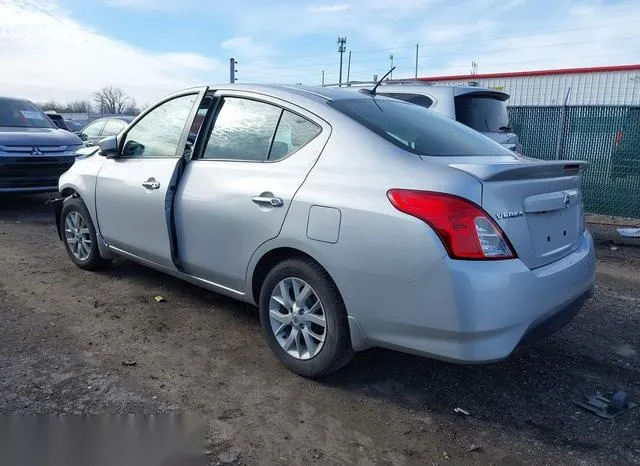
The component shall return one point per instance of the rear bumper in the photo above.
(32, 174)
(549, 325)
(479, 312)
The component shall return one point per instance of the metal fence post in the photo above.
(561, 129)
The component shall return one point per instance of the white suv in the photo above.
(480, 108)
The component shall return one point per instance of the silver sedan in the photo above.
(351, 220)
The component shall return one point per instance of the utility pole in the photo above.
(322, 78)
(232, 70)
(349, 68)
(342, 42)
(391, 58)
(417, 48)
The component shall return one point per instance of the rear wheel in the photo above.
(79, 235)
(304, 319)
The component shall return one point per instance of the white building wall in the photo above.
(590, 88)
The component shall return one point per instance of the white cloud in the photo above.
(247, 48)
(46, 54)
(144, 4)
(328, 8)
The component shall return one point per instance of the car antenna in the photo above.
(373, 91)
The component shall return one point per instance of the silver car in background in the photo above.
(350, 220)
(480, 108)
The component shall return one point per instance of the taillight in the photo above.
(466, 230)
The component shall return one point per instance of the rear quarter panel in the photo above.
(378, 249)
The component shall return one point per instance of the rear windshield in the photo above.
(417, 129)
(22, 114)
(484, 114)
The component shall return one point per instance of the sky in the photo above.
(67, 49)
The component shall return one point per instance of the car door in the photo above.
(132, 189)
(91, 133)
(235, 193)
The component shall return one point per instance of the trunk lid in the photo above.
(538, 204)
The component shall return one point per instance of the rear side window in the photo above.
(417, 129)
(293, 132)
(243, 130)
(484, 114)
(417, 99)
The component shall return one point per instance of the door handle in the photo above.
(271, 201)
(151, 183)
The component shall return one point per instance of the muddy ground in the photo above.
(64, 334)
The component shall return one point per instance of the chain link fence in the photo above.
(608, 137)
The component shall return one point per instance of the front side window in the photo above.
(417, 129)
(158, 133)
(293, 132)
(93, 129)
(243, 130)
(22, 114)
(112, 127)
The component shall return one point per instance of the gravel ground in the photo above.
(65, 334)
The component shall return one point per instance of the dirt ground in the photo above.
(65, 333)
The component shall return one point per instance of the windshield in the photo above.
(482, 113)
(22, 114)
(417, 129)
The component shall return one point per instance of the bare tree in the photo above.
(78, 106)
(112, 100)
(132, 108)
(51, 105)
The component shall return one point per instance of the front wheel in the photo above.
(304, 319)
(79, 235)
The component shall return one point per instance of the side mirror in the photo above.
(133, 149)
(83, 136)
(109, 146)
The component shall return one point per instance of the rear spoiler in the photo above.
(523, 170)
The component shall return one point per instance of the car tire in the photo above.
(79, 235)
(306, 355)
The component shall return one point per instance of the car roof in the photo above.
(314, 93)
(127, 118)
(14, 99)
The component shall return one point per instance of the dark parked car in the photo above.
(76, 126)
(34, 152)
(103, 127)
(58, 120)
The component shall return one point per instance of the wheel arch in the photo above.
(269, 258)
(69, 190)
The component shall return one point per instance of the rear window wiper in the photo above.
(505, 128)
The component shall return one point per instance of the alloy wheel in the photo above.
(297, 318)
(77, 235)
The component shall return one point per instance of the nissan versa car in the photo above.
(351, 220)
(34, 152)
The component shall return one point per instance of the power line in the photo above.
(469, 52)
(474, 40)
(464, 67)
